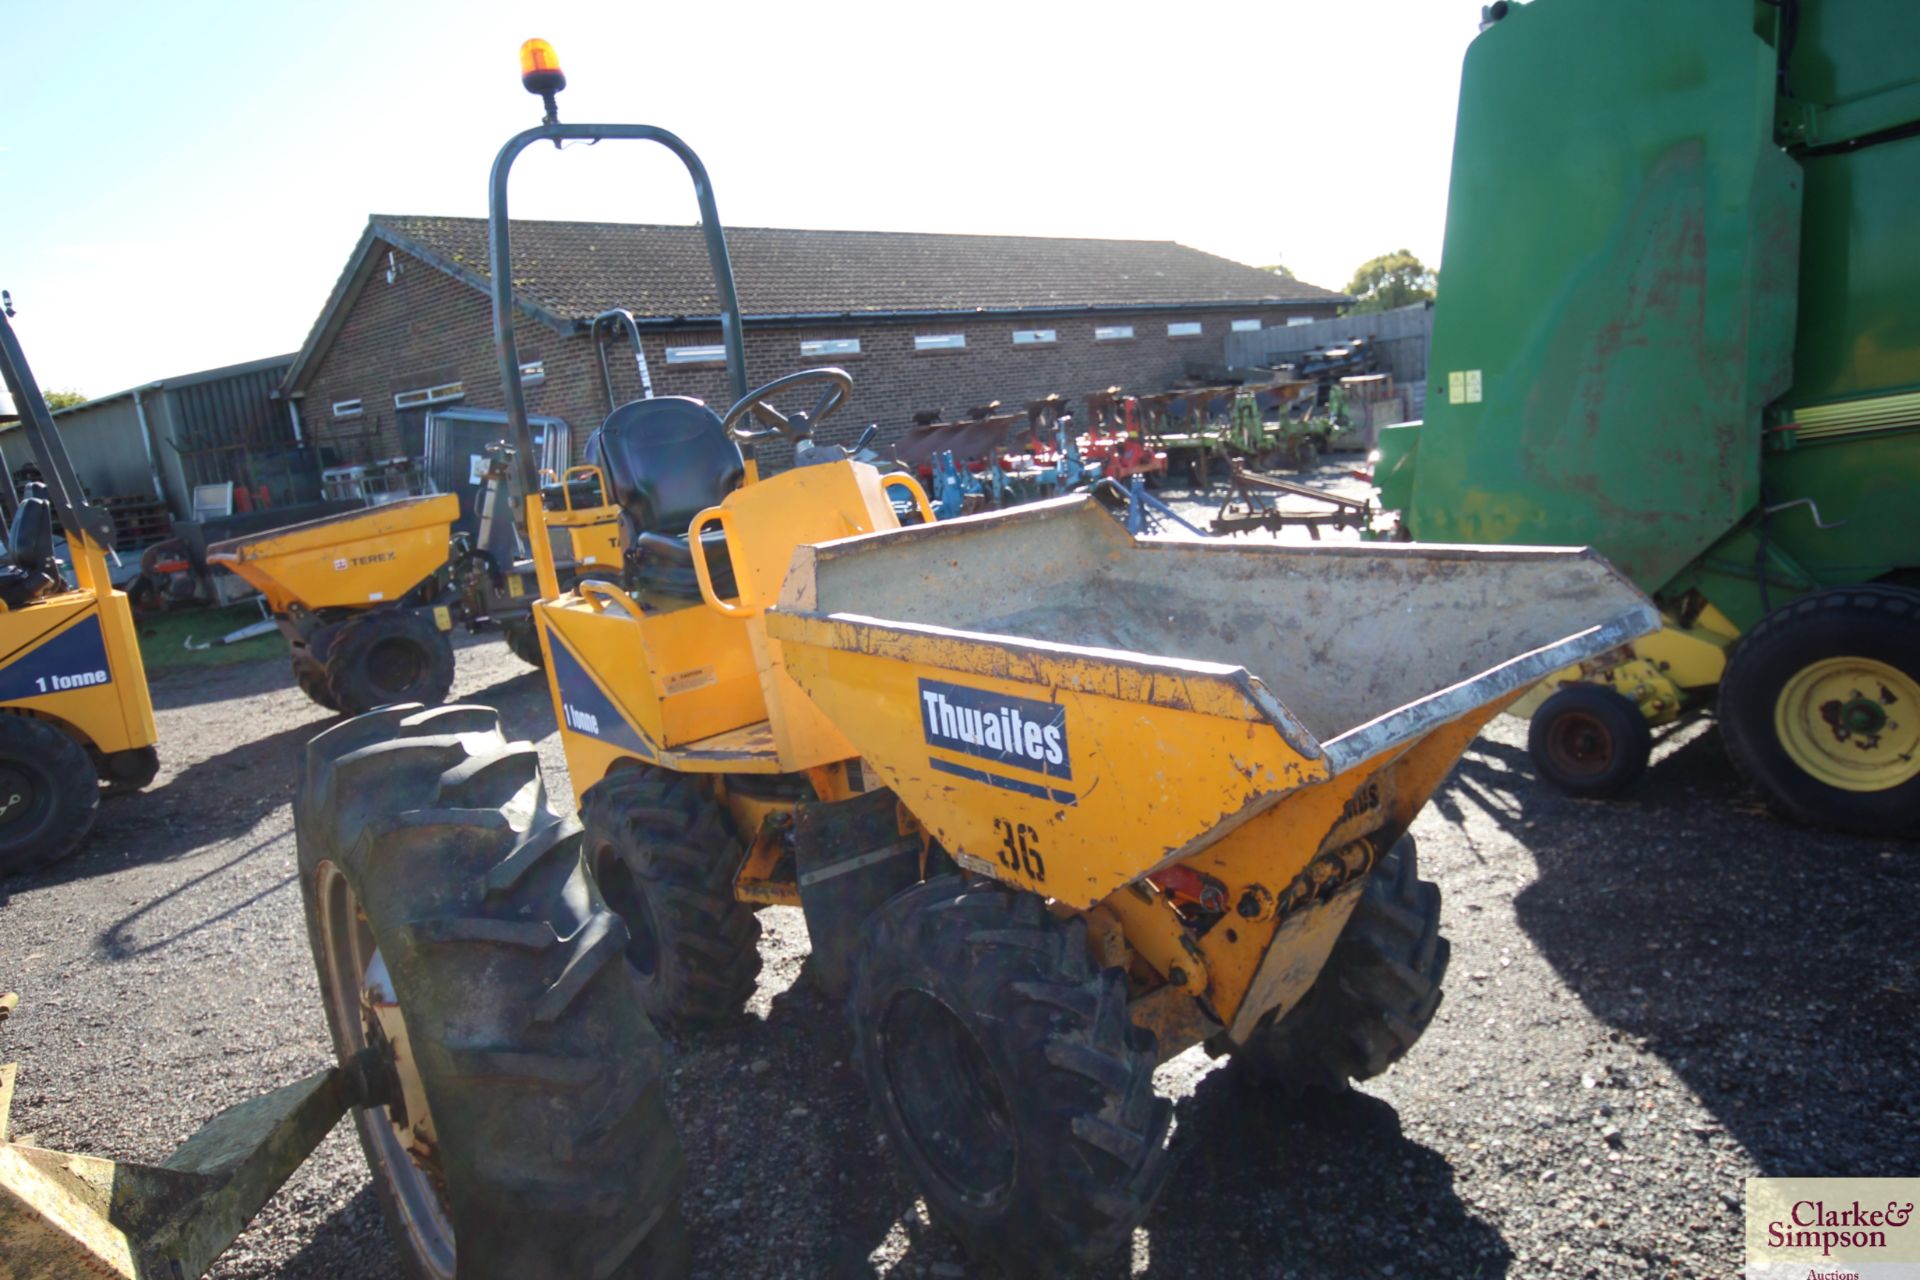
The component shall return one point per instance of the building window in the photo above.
(429, 395)
(533, 371)
(1246, 326)
(1033, 337)
(346, 408)
(939, 341)
(1184, 329)
(697, 355)
(1294, 320)
(811, 347)
(1112, 332)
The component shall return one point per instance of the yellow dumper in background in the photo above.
(367, 598)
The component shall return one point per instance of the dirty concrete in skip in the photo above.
(1649, 1001)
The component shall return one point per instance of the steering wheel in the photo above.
(795, 427)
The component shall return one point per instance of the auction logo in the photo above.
(1832, 1229)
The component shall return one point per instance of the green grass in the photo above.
(163, 638)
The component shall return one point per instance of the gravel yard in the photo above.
(1649, 1001)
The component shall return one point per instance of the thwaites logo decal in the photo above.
(74, 659)
(585, 709)
(1001, 730)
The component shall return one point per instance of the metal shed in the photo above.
(161, 439)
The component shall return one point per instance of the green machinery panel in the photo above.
(1618, 286)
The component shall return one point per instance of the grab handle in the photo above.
(601, 594)
(742, 605)
(902, 480)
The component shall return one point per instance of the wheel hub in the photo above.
(1579, 743)
(17, 794)
(1852, 723)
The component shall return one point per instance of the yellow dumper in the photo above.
(366, 598)
(1056, 804)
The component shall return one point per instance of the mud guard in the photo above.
(850, 857)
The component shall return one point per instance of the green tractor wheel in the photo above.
(1589, 741)
(1820, 709)
(458, 934)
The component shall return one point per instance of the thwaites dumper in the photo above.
(1139, 797)
(367, 598)
(75, 718)
(1680, 326)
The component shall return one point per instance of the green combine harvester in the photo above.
(1681, 324)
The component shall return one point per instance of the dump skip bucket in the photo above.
(356, 558)
(1128, 702)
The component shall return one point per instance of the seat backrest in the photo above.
(31, 538)
(666, 460)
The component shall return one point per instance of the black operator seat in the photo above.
(33, 571)
(666, 460)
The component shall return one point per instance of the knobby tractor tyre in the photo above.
(523, 641)
(1377, 994)
(664, 853)
(1589, 741)
(49, 794)
(312, 679)
(1007, 1075)
(1820, 709)
(455, 927)
(389, 657)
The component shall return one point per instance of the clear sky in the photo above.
(182, 181)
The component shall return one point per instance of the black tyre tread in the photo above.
(1745, 711)
(542, 1072)
(1093, 1134)
(1377, 994)
(65, 766)
(312, 679)
(1633, 740)
(350, 685)
(523, 641)
(680, 846)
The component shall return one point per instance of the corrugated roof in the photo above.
(574, 270)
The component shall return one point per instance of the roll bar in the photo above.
(500, 254)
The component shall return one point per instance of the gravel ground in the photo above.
(1650, 1001)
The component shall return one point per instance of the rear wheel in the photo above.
(129, 770)
(1589, 741)
(457, 932)
(523, 640)
(388, 657)
(665, 855)
(312, 679)
(49, 794)
(1007, 1075)
(1820, 709)
(1377, 994)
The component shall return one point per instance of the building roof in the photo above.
(568, 272)
(175, 383)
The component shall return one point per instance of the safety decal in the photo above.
(585, 709)
(74, 659)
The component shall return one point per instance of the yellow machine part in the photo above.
(1665, 674)
(357, 558)
(74, 659)
(593, 533)
(701, 687)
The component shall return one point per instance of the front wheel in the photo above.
(1008, 1076)
(1589, 741)
(1820, 709)
(49, 794)
(1377, 994)
(523, 640)
(458, 934)
(388, 657)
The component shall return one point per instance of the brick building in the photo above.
(921, 321)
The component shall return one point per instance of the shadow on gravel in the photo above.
(1266, 1185)
(351, 1245)
(1770, 966)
